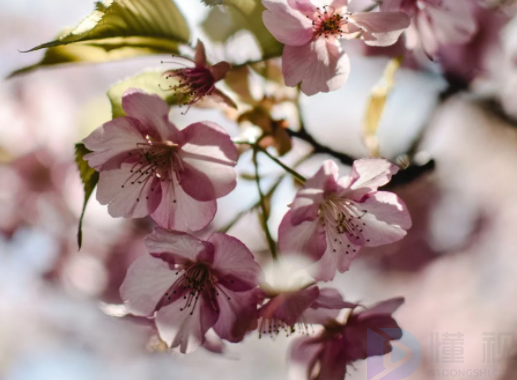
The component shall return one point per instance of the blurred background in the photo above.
(59, 307)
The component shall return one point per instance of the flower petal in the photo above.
(237, 314)
(179, 211)
(234, 263)
(320, 65)
(286, 24)
(332, 362)
(386, 220)
(125, 196)
(152, 111)
(219, 70)
(185, 327)
(453, 22)
(180, 247)
(381, 28)
(220, 97)
(289, 307)
(111, 143)
(387, 307)
(208, 157)
(147, 280)
(200, 55)
(308, 200)
(370, 173)
(307, 238)
(303, 354)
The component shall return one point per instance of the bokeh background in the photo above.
(457, 268)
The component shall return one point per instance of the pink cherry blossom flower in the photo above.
(312, 53)
(312, 305)
(331, 219)
(191, 285)
(198, 82)
(291, 300)
(149, 167)
(327, 355)
(435, 22)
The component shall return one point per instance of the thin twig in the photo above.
(265, 214)
(293, 172)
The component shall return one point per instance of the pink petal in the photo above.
(124, 195)
(321, 66)
(236, 314)
(343, 246)
(179, 211)
(303, 354)
(308, 200)
(234, 263)
(304, 6)
(387, 219)
(180, 247)
(453, 21)
(152, 111)
(387, 307)
(338, 4)
(221, 97)
(200, 56)
(289, 307)
(185, 328)
(381, 28)
(286, 24)
(325, 268)
(208, 157)
(330, 298)
(426, 34)
(112, 142)
(219, 70)
(332, 361)
(146, 282)
(368, 174)
(307, 238)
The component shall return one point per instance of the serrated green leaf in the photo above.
(244, 14)
(118, 29)
(89, 178)
(151, 82)
(98, 52)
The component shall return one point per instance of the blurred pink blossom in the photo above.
(327, 355)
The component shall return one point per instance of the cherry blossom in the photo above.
(331, 219)
(312, 53)
(190, 285)
(198, 82)
(327, 355)
(150, 167)
(293, 301)
(436, 22)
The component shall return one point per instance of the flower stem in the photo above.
(293, 172)
(265, 214)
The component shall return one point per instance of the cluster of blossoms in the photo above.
(187, 286)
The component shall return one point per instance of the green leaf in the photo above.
(118, 29)
(243, 14)
(152, 82)
(98, 52)
(89, 177)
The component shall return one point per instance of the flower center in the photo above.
(153, 159)
(327, 22)
(342, 217)
(194, 83)
(196, 280)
